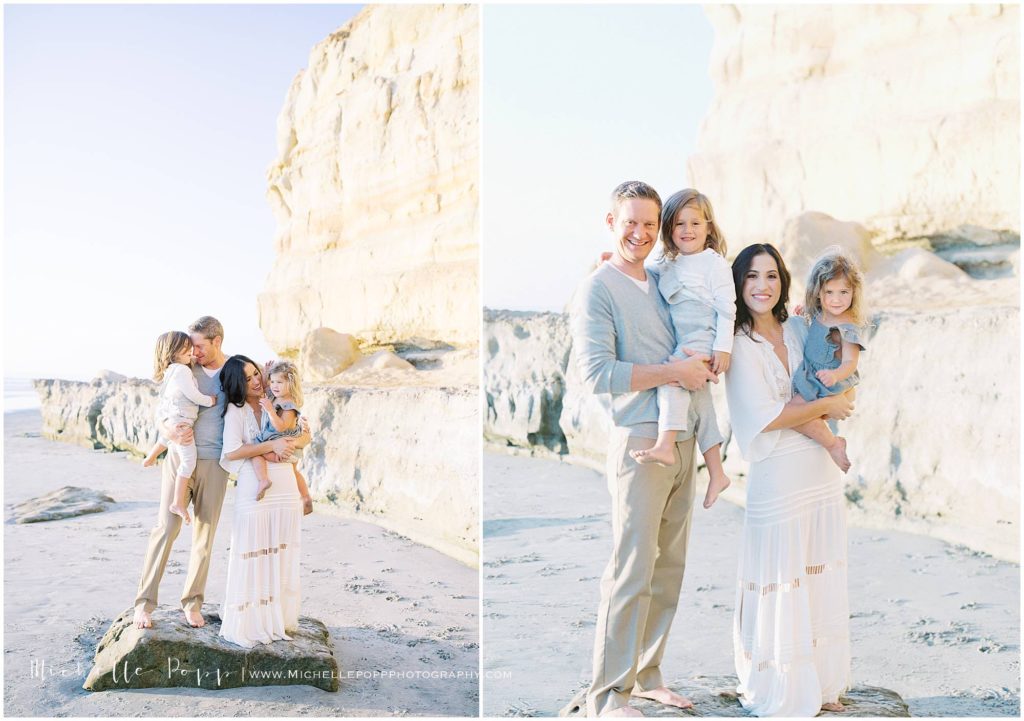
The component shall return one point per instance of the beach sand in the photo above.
(938, 624)
(403, 617)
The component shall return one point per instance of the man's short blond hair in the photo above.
(208, 327)
(633, 189)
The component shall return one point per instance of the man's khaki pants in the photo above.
(651, 508)
(206, 490)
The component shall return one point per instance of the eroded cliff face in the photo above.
(378, 454)
(934, 440)
(904, 118)
(374, 187)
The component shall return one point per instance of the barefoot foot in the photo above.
(149, 461)
(307, 505)
(838, 453)
(262, 488)
(622, 711)
(718, 483)
(665, 696)
(142, 619)
(180, 511)
(194, 619)
(833, 706)
(662, 456)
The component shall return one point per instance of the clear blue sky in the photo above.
(576, 99)
(135, 152)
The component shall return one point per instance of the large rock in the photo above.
(173, 655)
(325, 353)
(66, 502)
(404, 458)
(716, 696)
(374, 186)
(933, 440)
(926, 149)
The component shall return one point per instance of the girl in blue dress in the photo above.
(833, 308)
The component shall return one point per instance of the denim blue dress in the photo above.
(269, 433)
(821, 353)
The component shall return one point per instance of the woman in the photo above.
(261, 603)
(790, 628)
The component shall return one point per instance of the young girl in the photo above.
(697, 284)
(179, 403)
(281, 418)
(833, 308)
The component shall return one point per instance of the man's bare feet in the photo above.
(142, 619)
(622, 711)
(838, 452)
(718, 483)
(307, 505)
(833, 706)
(662, 455)
(262, 488)
(194, 619)
(180, 511)
(665, 696)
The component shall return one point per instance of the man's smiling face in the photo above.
(635, 227)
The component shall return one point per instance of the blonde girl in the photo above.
(696, 282)
(833, 308)
(179, 403)
(281, 418)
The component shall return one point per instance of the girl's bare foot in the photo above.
(262, 488)
(142, 619)
(180, 511)
(149, 461)
(307, 505)
(833, 706)
(718, 483)
(838, 452)
(662, 455)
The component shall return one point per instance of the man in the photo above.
(206, 487)
(623, 335)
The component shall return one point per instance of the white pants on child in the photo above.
(187, 455)
(678, 407)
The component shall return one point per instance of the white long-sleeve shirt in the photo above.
(180, 397)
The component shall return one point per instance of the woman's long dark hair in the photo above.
(740, 268)
(232, 380)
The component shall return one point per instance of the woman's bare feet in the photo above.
(262, 488)
(833, 706)
(718, 483)
(194, 618)
(838, 452)
(307, 505)
(142, 619)
(665, 696)
(662, 455)
(180, 511)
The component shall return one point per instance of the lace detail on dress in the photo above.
(770, 663)
(260, 602)
(264, 551)
(795, 583)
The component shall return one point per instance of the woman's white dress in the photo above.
(791, 638)
(261, 603)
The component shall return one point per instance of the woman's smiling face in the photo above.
(762, 285)
(253, 381)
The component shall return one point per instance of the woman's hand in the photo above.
(838, 407)
(283, 447)
(827, 377)
(720, 361)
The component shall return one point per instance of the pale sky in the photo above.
(136, 142)
(576, 99)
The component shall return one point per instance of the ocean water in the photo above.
(19, 395)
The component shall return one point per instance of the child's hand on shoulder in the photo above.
(266, 404)
(605, 256)
(827, 377)
(720, 361)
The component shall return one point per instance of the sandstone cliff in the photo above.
(377, 454)
(374, 187)
(904, 118)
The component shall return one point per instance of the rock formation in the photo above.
(374, 187)
(66, 502)
(904, 118)
(716, 696)
(172, 655)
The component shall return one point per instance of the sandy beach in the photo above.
(936, 623)
(402, 617)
